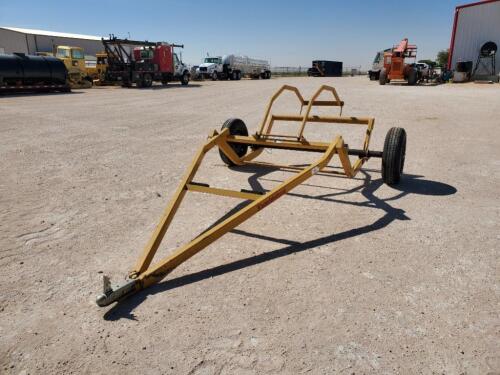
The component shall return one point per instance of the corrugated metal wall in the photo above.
(476, 25)
(47, 43)
(12, 41)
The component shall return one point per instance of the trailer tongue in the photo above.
(236, 147)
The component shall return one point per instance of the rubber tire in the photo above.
(147, 80)
(412, 77)
(214, 76)
(185, 79)
(238, 76)
(139, 83)
(393, 156)
(236, 127)
(382, 78)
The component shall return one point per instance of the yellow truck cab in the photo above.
(74, 60)
(96, 69)
(73, 57)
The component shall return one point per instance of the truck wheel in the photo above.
(236, 127)
(147, 80)
(214, 76)
(382, 78)
(234, 76)
(268, 75)
(393, 156)
(412, 77)
(238, 76)
(185, 79)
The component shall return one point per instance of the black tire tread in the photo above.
(236, 127)
(393, 155)
(382, 78)
(412, 77)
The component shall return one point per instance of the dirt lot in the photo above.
(339, 276)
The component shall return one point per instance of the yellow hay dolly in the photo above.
(236, 147)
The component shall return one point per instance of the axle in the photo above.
(298, 146)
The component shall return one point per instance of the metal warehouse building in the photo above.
(13, 39)
(474, 25)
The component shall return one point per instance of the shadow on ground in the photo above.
(171, 86)
(34, 93)
(411, 184)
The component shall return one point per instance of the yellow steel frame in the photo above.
(144, 274)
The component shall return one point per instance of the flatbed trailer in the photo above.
(238, 148)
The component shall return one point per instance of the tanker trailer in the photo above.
(234, 67)
(23, 73)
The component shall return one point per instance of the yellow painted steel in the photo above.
(222, 192)
(144, 274)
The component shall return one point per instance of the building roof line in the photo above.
(475, 3)
(50, 33)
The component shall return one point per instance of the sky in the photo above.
(288, 33)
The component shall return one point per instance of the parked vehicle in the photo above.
(377, 66)
(395, 66)
(325, 68)
(20, 72)
(97, 69)
(74, 60)
(143, 62)
(211, 67)
(233, 67)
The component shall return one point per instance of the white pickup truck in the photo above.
(233, 67)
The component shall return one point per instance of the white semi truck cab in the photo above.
(210, 68)
(233, 67)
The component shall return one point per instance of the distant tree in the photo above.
(442, 57)
(431, 63)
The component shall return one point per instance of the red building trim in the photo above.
(455, 24)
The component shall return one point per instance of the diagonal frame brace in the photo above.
(144, 274)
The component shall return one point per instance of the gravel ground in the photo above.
(338, 276)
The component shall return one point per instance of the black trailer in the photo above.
(325, 68)
(25, 73)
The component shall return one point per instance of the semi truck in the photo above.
(233, 67)
(142, 62)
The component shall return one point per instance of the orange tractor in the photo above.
(395, 67)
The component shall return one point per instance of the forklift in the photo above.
(395, 67)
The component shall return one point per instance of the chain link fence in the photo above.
(289, 71)
(283, 71)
